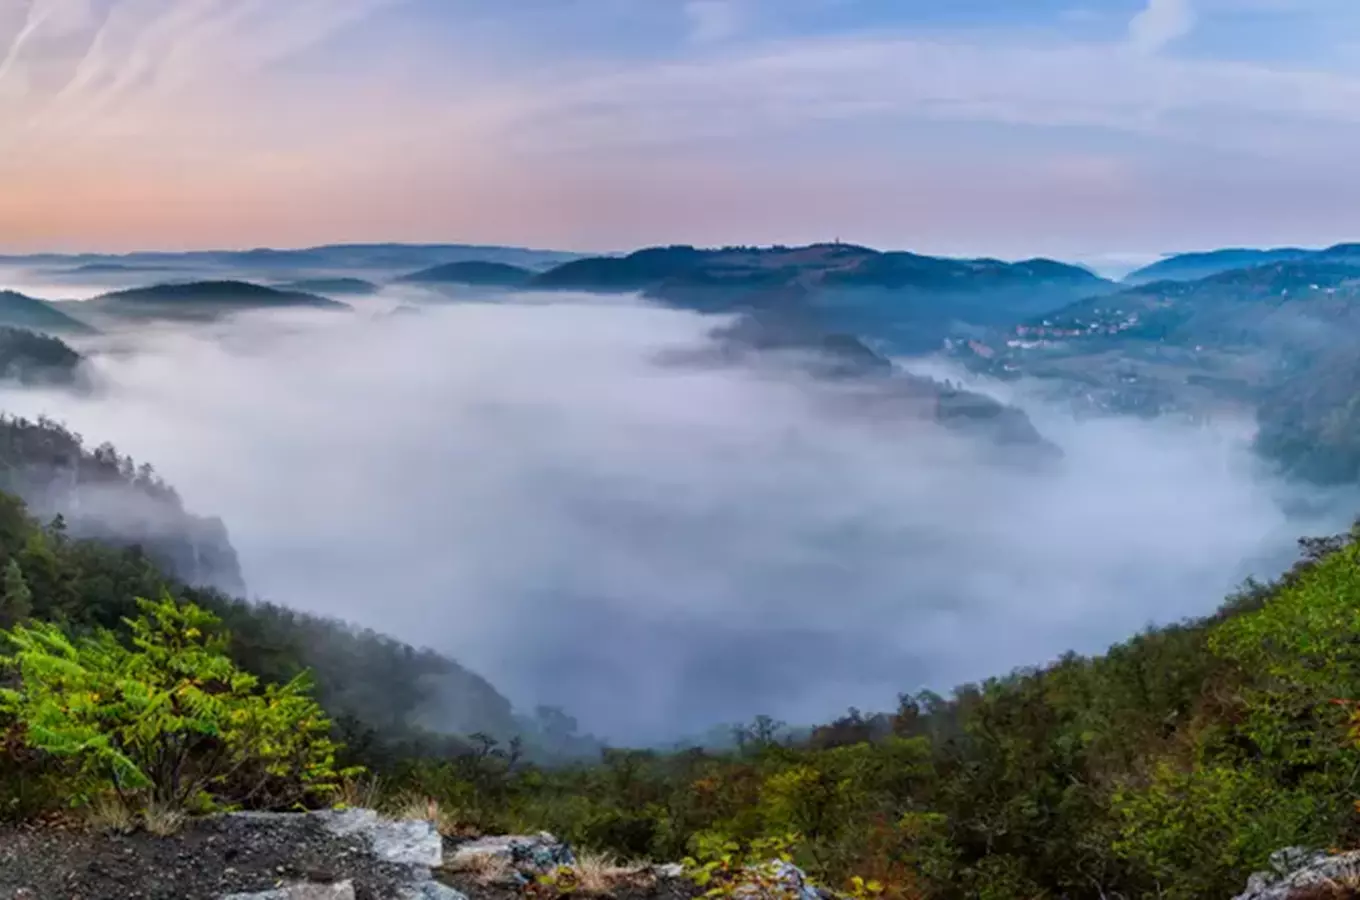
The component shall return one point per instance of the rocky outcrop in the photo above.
(343, 890)
(333, 855)
(414, 846)
(1296, 873)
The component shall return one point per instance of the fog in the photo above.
(537, 489)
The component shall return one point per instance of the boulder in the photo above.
(412, 847)
(341, 890)
(669, 871)
(410, 843)
(1295, 869)
(780, 879)
(431, 890)
(527, 855)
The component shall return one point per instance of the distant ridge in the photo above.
(355, 287)
(476, 272)
(1194, 266)
(907, 302)
(200, 300)
(390, 257)
(21, 311)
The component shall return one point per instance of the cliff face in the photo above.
(103, 496)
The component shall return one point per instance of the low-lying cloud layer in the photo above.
(658, 547)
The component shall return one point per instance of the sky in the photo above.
(1095, 130)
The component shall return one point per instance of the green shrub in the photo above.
(169, 724)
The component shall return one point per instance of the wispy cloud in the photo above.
(138, 64)
(951, 78)
(713, 20)
(1160, 23)
(125, 107)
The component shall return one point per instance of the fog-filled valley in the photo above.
(583, 497)
(679, 450)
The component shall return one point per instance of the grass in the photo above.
(108, 813)
(486, 869)
(419, 808)
(597, 873)
(360, 793)
(163, 821)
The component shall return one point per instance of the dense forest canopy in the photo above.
(1171, 766)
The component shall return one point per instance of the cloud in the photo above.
(814, 84)
(713, 20)
(656, 547)
(250, 146)
(1161, 23)
(125, 67)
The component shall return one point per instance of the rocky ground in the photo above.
(210, 858)
(351, 855)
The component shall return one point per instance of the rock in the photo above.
(342, 890)
(791, 882)
(537, 854)
(669, 871)
(1294, 869)
(431, 890)
(402, 843)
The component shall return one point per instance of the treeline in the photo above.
(1170, 767)
(380, 691)
(119, 516)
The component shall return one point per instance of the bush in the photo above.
(169, 725)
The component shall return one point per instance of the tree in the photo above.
(16, 600)
(171, 723)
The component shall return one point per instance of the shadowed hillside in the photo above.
(20, 311)
(906, 302)
(198, 300)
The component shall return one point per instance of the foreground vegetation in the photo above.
(1171, 766)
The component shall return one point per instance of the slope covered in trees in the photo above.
(195, 301)
(21, 311)
(905, 302)
(1171, 766)
(30, 358)
(120, 531)
(380, 691)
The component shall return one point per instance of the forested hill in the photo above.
(385, 694)
(906, 301)
(187, 302)
(103, 495)
(1194, 266)
(121, 528)
(21, 311)
(29, 358)
(1172, 766)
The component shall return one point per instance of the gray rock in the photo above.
(1295, 868)
(414, 846)
(540, 853)
(402, 843)
(431, 890)
(791, 882)
(341, 890)
(669, 871)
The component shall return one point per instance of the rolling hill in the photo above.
(1276, 341)
(479, 273)
(198, 300)
(29, 358)
(339, 287)
(1194, 266)
(21, 311)
(390, 257)
(903, 302)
